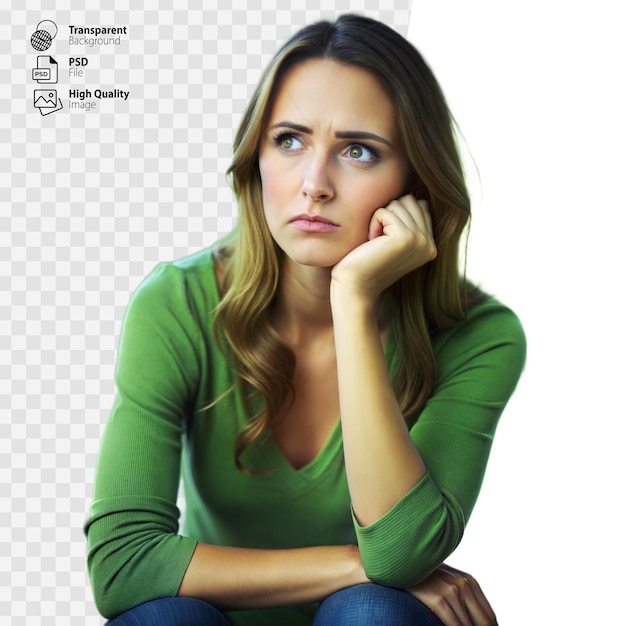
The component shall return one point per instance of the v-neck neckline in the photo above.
(331, 448)
(314, 468)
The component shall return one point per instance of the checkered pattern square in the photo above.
(90, 201)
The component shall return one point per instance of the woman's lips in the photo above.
(313, 224)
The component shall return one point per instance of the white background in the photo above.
(538, 91)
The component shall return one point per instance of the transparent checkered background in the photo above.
(89, 203)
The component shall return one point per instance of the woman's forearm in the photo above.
(382, 463)
(237, 578)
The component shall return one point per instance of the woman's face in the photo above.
(329, 156)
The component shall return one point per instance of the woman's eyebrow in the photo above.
(344, 134)
(298, 127)
(360, 134)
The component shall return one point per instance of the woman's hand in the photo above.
(400, 239)
(455, 598)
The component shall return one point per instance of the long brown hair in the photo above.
(425, 301)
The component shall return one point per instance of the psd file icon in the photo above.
(47, 70)
(46, 101)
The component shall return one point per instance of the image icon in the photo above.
(47, 70)
(47, 101)
(42, 38)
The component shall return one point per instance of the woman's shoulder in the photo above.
(197, 266)
(188, 281)
(486, 310)
(489, 327)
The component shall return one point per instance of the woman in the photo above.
(338, 294)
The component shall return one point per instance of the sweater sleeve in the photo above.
(134, 551)
(479, 364)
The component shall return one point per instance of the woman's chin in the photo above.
(314, 254)
(315, 259)
(318, 254)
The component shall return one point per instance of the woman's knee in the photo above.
(171, 612)
(374, 605)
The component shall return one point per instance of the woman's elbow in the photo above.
(112, 589)
(129, 572)
(410, 562)
(401, 577)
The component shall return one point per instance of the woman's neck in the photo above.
(303, 302)
(302, 311)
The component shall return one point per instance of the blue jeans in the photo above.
(374, 605)
(171, 612)
(361, 605)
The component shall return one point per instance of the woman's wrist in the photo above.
(357, 571)
(349, 301)
(349, 567)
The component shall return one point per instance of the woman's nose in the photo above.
(316, 183)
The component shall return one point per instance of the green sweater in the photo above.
(169, 369)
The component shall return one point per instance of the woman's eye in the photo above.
(361, 153)
(287, 142)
